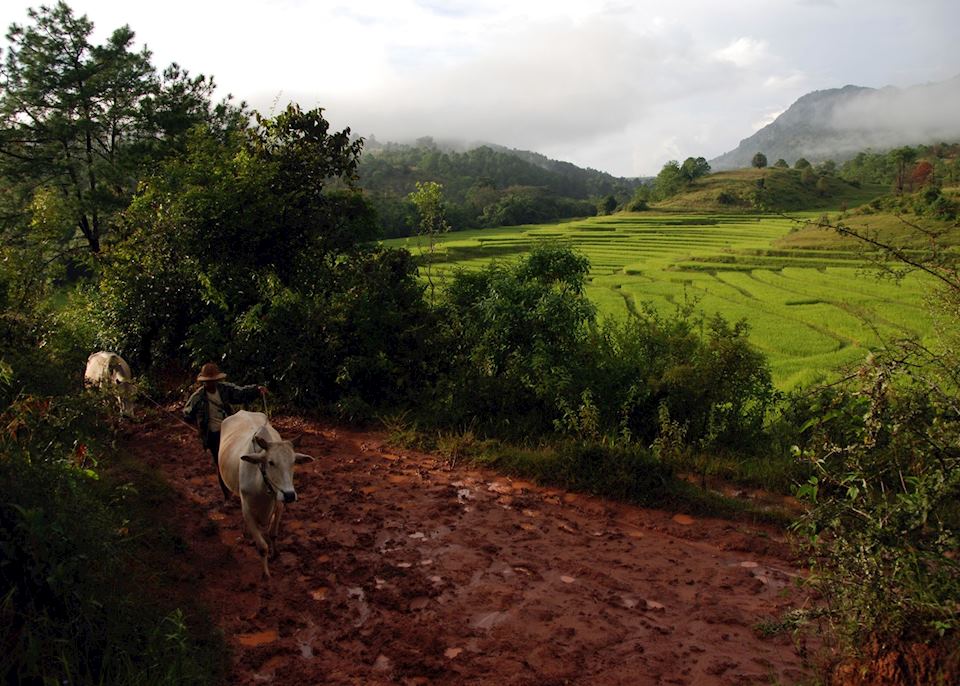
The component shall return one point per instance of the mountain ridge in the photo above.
(837, 123)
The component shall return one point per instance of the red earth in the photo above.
(393, 567)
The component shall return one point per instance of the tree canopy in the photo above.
(79, 121)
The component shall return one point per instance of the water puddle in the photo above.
(488, 620)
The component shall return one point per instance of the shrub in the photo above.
(70, 610)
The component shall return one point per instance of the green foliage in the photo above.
(884, 527)
(674, 178)
(705, 375)
(694, 168)
(669, 181)
(885, 513)
(801, 164)
(529, 359)
(484, 187)
(428, 199)
(79, 122)
(521, 205)
(242, 252)
(517, 337)
(759, 161)
(607, 205)
(781, 164)
(72, 608)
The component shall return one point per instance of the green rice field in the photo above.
(812, 312)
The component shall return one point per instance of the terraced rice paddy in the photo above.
(810, 311)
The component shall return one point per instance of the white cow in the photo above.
(110, 372)
(258, 465)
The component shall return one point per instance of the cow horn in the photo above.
(295, 441)
(300, 457)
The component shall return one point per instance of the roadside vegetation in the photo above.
(612, 355)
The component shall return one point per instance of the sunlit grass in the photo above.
(814, 306)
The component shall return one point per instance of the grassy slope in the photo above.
(783, 190)
(809, 294)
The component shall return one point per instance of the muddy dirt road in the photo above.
(393, 569)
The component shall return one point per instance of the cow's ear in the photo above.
(261, 441)
(295, 441)
(300, 457)
(252, 459)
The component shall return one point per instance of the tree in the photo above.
(902, 157)
(80, 121)
(428, 199)
(608, 205)
(759, 161)
(693, 169)
(921, 173)
(781, 164)
(669, 181)
(802, 163)
(823, 186)
(827, 168)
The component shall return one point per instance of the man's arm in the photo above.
(192, 404)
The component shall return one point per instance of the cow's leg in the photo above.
(213, 444)
(274, 529)
(262, 546)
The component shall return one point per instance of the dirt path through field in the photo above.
(392, 568)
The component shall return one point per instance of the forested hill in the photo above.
(485, 186)
(837, 123)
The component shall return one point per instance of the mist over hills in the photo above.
(840, 122)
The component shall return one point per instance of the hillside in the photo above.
(782, 189)
(482, 187)
(838, 123)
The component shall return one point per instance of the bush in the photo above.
(885, 524)
(528, 358)
(70, 609)
(516, 337)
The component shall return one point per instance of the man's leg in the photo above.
(213, 443)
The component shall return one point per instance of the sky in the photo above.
(615, 85)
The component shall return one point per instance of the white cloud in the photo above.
(619, 85)
(743, 52)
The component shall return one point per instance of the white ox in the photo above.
(110, 372)
(257, 464)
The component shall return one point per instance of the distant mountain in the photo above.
(838, 123)
(396, 167)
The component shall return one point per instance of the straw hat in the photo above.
(211, 372)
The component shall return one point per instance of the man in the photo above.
(211, 404)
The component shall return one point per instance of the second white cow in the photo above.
(110, 372)
(257, 465)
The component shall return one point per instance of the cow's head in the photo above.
(276, 463)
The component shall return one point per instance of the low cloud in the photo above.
(560, 87)
(890, 116)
